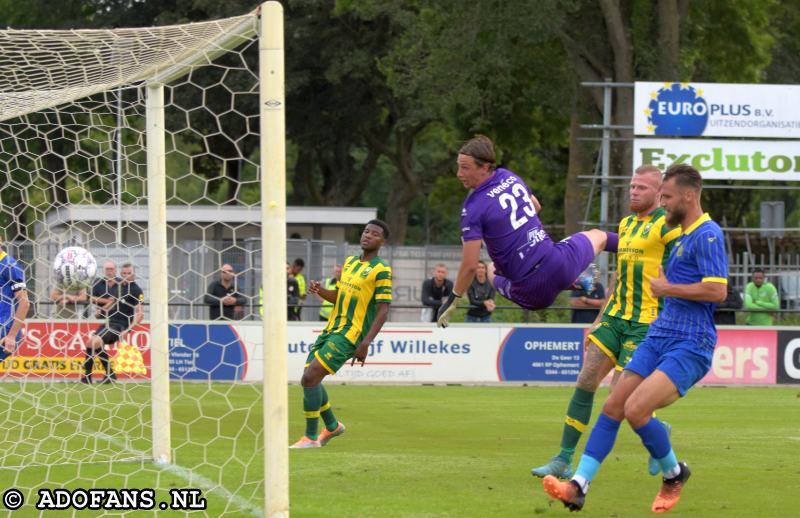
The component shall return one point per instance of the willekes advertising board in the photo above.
(716, 110)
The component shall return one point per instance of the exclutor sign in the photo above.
(724, 159)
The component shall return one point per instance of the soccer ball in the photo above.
(74, 267)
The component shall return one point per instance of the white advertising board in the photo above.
(423, 353)
(716, 110)
(724, 159)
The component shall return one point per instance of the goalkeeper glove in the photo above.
(446, 309)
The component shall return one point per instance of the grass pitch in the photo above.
(429, 451)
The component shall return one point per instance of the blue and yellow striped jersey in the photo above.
(362, 287)
(697, 256)
(12, 279)
(644, 245)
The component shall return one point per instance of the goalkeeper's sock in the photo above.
(579, 412)
(312, 400)
(331, 423)
(88, 363)
(103, 355)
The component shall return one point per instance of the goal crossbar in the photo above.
(108, 58)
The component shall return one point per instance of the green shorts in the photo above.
(618, 338)
(331, 350)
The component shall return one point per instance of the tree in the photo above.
(667, 40)
(451, 74)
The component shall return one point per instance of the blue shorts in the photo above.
(555, 273)
(683, 361)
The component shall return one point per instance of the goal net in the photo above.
(153, 149)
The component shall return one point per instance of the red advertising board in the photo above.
(57, 350)
(744, 357)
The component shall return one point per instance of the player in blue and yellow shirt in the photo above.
(675, 354)
(360, 308)
(645, 242)
(13, 304)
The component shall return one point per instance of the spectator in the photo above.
(760, 297)
(732, 301)
(103, 290)
(331, 283)
(121, 300)
(68, 301)
(222, 298)
(434, 291)
(586, 300)
(297, 273)
(292, 295)
(481, 296)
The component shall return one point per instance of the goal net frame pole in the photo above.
(273, 259)
(159, 274)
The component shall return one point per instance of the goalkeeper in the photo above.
(529, 269)
(360, 308)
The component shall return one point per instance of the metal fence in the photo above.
(195, 264)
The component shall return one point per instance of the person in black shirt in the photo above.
(481, 296)
(222, 297)
(733, 300)
(586, 304)
(434, 291)
(101, 297)
(120, 300)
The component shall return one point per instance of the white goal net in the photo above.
(146, 147)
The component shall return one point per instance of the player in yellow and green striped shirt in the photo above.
(645, 242)
(360, 308)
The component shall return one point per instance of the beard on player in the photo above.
(676, 215)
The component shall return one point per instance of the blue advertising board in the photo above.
(206, 352)
(540, 354)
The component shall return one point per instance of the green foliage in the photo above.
(729, 41)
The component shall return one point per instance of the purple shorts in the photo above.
(555, 273)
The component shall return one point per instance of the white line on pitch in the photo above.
(185, 473)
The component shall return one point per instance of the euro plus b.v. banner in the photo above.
(716, 110)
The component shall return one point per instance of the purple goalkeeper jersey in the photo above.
(500, 211)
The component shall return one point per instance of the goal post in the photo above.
(273, 236)
(159, 275)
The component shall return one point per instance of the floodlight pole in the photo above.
(273, 259)
(157, 242)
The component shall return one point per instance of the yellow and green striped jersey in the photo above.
(644, 245)
(363, 285)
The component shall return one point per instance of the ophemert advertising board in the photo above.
(716, 110)
(724, 159)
